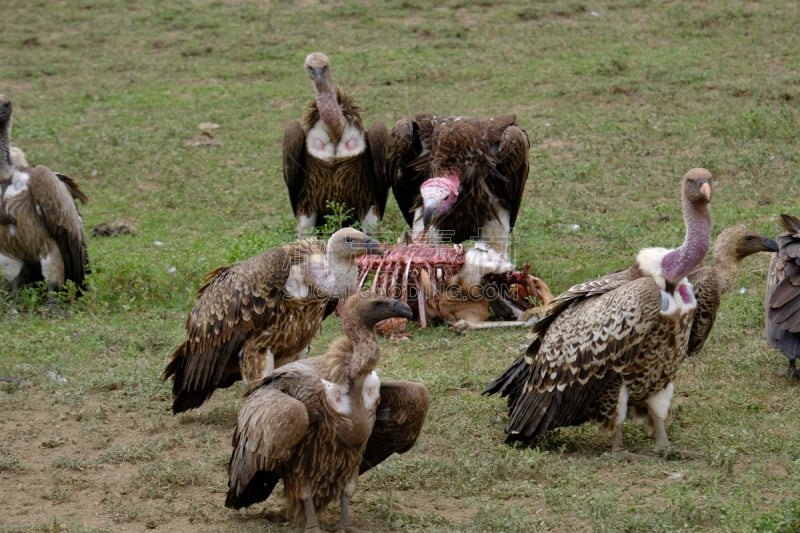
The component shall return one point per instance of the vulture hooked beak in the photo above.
(373, 247)
(770, 244)
(401, 309)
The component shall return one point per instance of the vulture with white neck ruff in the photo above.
(41, 232)
(459, 178)
(613, 342)
(312, 423)
(328, 157)
(256, 315)
(782, 297)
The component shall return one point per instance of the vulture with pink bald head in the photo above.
(459, 178)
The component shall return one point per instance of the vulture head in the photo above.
(367, 309)
(5, 132)
(737, 242)
(342, 251)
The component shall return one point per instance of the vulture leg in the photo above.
(790, 372)
(312, 525)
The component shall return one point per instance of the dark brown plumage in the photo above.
(459, 177)
(328, 157)
(312, 423)
(256, 315)
(41, 233)
(613, 342)
(782, 298)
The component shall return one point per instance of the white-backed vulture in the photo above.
(328, 157)
(614, 341)
(459, 178)
(41, 233)
(782, 297)
(312, 423)
(256, 315)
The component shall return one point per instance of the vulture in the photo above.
(319, 422)
(610, 347)
(782, 298)
(459, 178)
(329, 159)
(41, 232)
(258, 314)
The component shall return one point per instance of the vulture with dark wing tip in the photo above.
(782, 298)
(328, 157)
(317, 423)
(459, 178)
(256, 315)
(614, 341)
(41, 232)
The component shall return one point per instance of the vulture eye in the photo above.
(348, 240)
(376, 305)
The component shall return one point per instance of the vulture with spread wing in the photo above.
(256, 315)
(459, 178)
(329, 158)
(317, 423)
(782, 298)
(41, 232)
(610, 348)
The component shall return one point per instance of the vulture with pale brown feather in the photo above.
(614, 342)
(782, 298)
(459, 178)
(256, 315)
(317, 423)
(41, 232)
(329, 158)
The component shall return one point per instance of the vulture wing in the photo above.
(512, 156)
(407, 160)
(784, 294)
(377, 138)
(398, 421)
(55, 204)
(234, 302)
(588, 343)
(271, 423)
(294, 160)
(707, 292)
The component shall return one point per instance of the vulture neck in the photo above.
(353, 357)
(343, 275)
(682, 260)
(328, 106)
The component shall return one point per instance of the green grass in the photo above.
(619, 99)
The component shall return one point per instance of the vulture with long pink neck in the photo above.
(329, 159)
(258, 314)
(613, 342)
(41, 231)
(318, 423)
(782, 297)
(459, 178)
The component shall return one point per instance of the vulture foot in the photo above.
(790, 372)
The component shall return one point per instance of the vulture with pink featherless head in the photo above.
(459, 178)
(329, 159)
(610, 348)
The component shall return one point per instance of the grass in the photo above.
(619, 98)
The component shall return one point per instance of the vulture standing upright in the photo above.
(330, 158)
(41, 233)
(614, 341)
(313, 422)
(459, 178)
(782, 298)
(256, 315)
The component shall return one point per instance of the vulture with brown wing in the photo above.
(41, 232)
(782, 298)
(256, 315)
(613, 342)
(317, 423)
(328, 158)
(459, 178)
